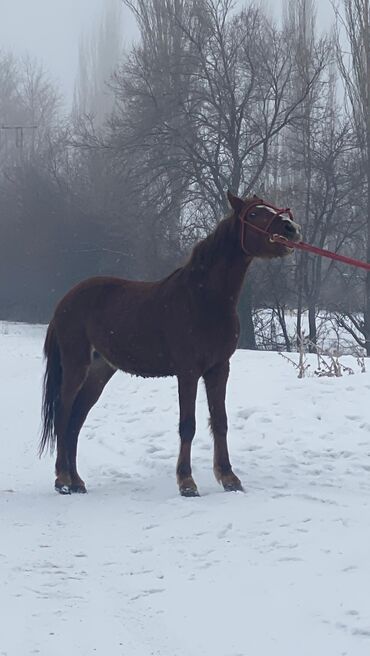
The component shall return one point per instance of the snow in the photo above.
(133, 569)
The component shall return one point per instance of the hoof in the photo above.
(78, 489)
(187, 487)
(233, 487)
(62, 489)
(189, 492)
(231, 483)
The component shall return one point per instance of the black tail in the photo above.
(51, 390)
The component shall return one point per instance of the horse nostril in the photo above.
(289, 229)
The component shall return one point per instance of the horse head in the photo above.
(264, 227)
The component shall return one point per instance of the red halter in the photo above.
(264, 231)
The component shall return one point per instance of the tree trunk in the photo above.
(299, 304)
(282, 321)
(247, 338)
(312, 327)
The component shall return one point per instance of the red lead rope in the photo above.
(301, 245)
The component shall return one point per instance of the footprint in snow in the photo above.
(149, 527)
(146, 593)
(361, 632)
(265, 420)
(349, 568)
(153, 448)
(246, 413)
(221, 534)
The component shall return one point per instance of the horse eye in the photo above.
(252, 214)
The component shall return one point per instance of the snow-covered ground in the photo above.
(133, 569)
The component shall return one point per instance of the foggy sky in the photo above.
(49, 30)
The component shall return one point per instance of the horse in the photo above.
(185, 325)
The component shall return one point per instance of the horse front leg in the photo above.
(187, 385)
(215, 381)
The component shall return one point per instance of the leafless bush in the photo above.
(302, 365)
(329, 362)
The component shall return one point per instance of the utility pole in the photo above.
(19, 136)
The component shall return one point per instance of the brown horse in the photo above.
(185, 325)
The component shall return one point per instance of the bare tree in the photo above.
(202, 99)
(99, 54)
(353, 28)
(314, 162)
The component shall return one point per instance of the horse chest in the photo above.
(207, 337)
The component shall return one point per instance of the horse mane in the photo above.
(222, 242)
(212, 247)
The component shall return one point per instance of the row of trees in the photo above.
(209, 98)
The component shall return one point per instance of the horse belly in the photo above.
(138, 355)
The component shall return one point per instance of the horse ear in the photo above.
(236, 203)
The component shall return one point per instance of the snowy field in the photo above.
(133, 569)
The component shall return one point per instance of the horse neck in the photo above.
(218, 264)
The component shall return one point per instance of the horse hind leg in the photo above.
(100, 372)
(187, 396)
(74, 373)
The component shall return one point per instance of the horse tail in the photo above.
(51, 389)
